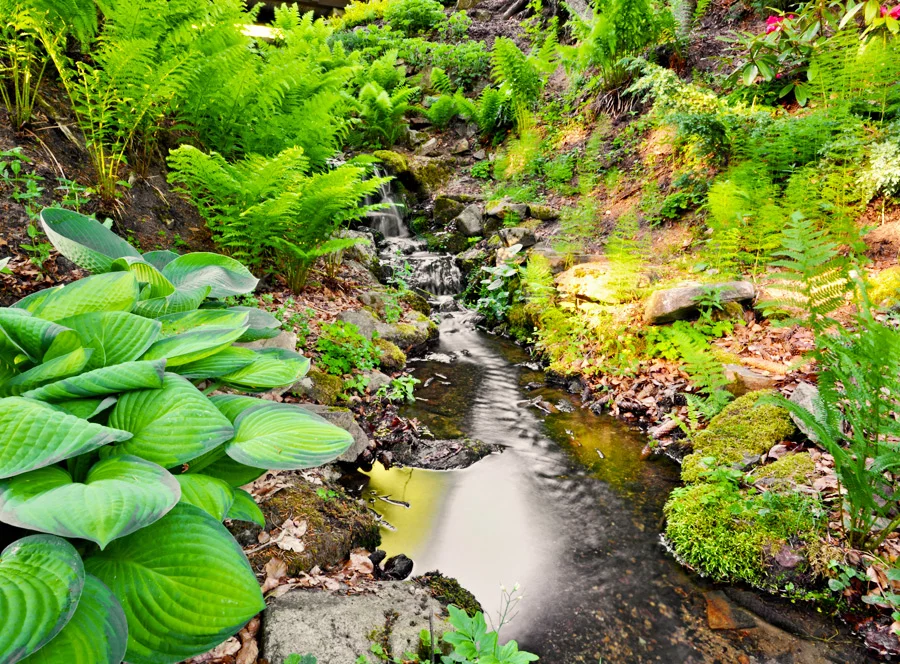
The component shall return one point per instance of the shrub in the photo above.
(342, 349)
(381, 114)
(415, 16)
(109, 441)
(465, 62)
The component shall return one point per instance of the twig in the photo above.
(62, 173)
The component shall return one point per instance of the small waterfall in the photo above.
(434, 273)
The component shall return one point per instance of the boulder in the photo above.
(320, 386)
(429, 174)
(392, 358)
(560, 261)
(416, 302)
(504, 208)
(364, 252)
(470, 221)
(591, 282)
(807, 396)
(362, 319)
(460, 146)
(396, 162)
(376, 380)
(429, 147)
(517, 235)
(743, 380)
(374, 301)
(446, 209)
(471, 259)
(543, 212)
(343, 418)
(678, 303)
(284, 340)
(410, 336)
(339, 628)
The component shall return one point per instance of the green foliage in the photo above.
(261, 209)
(628, 251)
(342, 349)
(298, 659)
(852, 417)
(447, 107)
(466, 62)
(415, 16)
(882, 174)
(400, 389)
(96, 402)
(483, 170)
(473, 643)
(381, 114)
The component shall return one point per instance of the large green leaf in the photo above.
(183, 299)
(173, 324)
(145, 274)
(224, 362)
(96, 634)
(225, 276)
(55, 369)
(160, 258)
(234, 473)
(34, 435)
(84, 241)
(184, 583)
(193, 345)
(273, 367)
(114, 336)
(261, 324)
(41, 579)
(119, 496)
(278, 435)
(115, 291)
(106, 380)
(211, 495)
(31, 302)
(85, 408)
(244, 508)
(171, 425)
(39, 339)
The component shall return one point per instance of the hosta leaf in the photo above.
(41, 579)
(183, 299)
(184, 583)
(280, 436)
(38, 338)
(273, 367)
(34, 435)
(225, 276)
(85, 408)
(57, 368)
(119, 496)
(114, 336)
(224, 362)
(115, 291)
(84, 241)
(211, 495)
(244, 508)
(234, 473)
(31, 302)
(106, 380)
(261, 324)
(173, 324)
(96, 634)
(171, 425)
(193, 345)
(145, 274)
(159, 259)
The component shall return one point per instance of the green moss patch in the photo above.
(744, 429)
(789, 469)
(395, 161)
(392, 357)
(448, 591)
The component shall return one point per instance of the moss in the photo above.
(392, 357)
(395, 161)
(794, 468)
(333, 527)
(417, 302)
(743, 429)
(431, 174)
(521, 323)
(885, 288)
(448, 591)
(727, 534)
(325, 387)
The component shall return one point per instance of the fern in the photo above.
(704, 370)
(381, 113)
(440, 81)
(517, 75)
(627, 252)
(813, 277)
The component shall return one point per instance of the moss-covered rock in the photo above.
(396, 162)
(392, 358)
(321, 387)
(728, 535)
(743, 431)
(448, 591)
(446, 209)
(791, 469)
(430, 174)
(335, 525)
(416, 302)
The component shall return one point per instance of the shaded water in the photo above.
(569, 511)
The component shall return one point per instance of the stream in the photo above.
(569, 511)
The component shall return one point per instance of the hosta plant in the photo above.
(116, 470)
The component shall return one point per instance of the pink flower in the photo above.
(893, 13)
(773, 23)
(778, 75)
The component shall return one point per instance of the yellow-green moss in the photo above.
(885, 288)
(791, 468)
(395, 161)
(325, 388)
(744, 428)
(417, 302)
(391, 356)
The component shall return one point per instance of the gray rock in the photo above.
(679, 303)
(744, 380)
(364, 252)
(462, 145)
(320, 386)
(559, 262)
(517, 235)
(471, 259)
(543, 212)
(285, 340)
(505, 207)
(470, 221)
(510, 254)
(409, 336)
(429, 147)
(343, 418)
(807, 396)
(416, 137)
(337, 628)
(479, 154)
(364, 321)
(377, 380)
(373, 300)
(446, 209)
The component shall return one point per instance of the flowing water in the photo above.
(569, 511)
